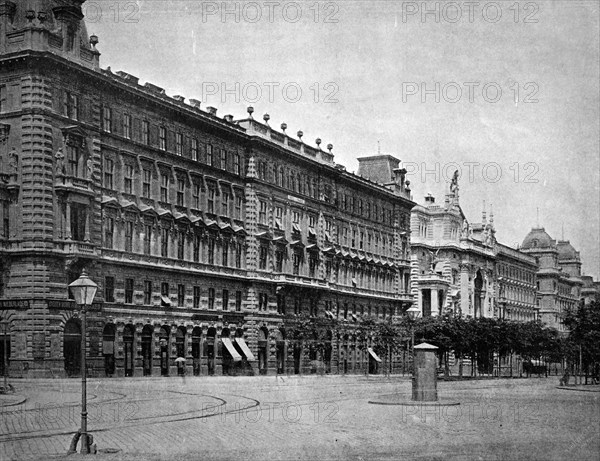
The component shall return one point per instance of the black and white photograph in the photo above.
(299, 230)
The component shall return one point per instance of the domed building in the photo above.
(538, 238)
(569, 258)
(558, 278)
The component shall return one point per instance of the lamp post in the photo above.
(84, 290)
(5, 358)
(413, 313)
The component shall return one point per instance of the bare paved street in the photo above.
(307, 417)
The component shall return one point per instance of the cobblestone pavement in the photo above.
(300, 417)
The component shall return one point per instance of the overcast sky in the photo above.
(507, 92)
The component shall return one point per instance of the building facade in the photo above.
(558, 277)
(459, 267)
(590, 290)
(517, 289)
(210, 238)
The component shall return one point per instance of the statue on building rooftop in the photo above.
(454, 183)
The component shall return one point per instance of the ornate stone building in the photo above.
(590, 291)
(209, 237)
(558, 279)
(460, 267)
(517, 290)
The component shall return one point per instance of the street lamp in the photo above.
(84, 290)
(413, 313)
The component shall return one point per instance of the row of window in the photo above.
(373, 241)
(263, 300)
(339, 311)
(518, 294)
(182, 293)
(516, 273)
(144, 132)
(231, 252)
(305, 184)
(214, 200)
(308, 184)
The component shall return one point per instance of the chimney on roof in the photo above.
(228, 118)
(429, 199)
(378, 168)
(128, 77)
(179, 98)
(195, 103)
(154, 88)
(211, 110)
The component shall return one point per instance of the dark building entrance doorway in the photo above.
(280, 350)
(4, 339)
(180, 347)
(164, 350)
(72, 347)
(128, 334)
(210, 350)
(196, 337)
(147, 350)
(108, 349)
(263, 349)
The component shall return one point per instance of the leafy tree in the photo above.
(583, 342)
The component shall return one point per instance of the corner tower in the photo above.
(54, 26)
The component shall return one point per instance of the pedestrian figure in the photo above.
(564, 381)
(180, 361)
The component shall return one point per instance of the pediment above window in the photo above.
(74, 136)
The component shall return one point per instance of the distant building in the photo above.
(460, 268)
(590, 290)
(517, 289)
(558, 278)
